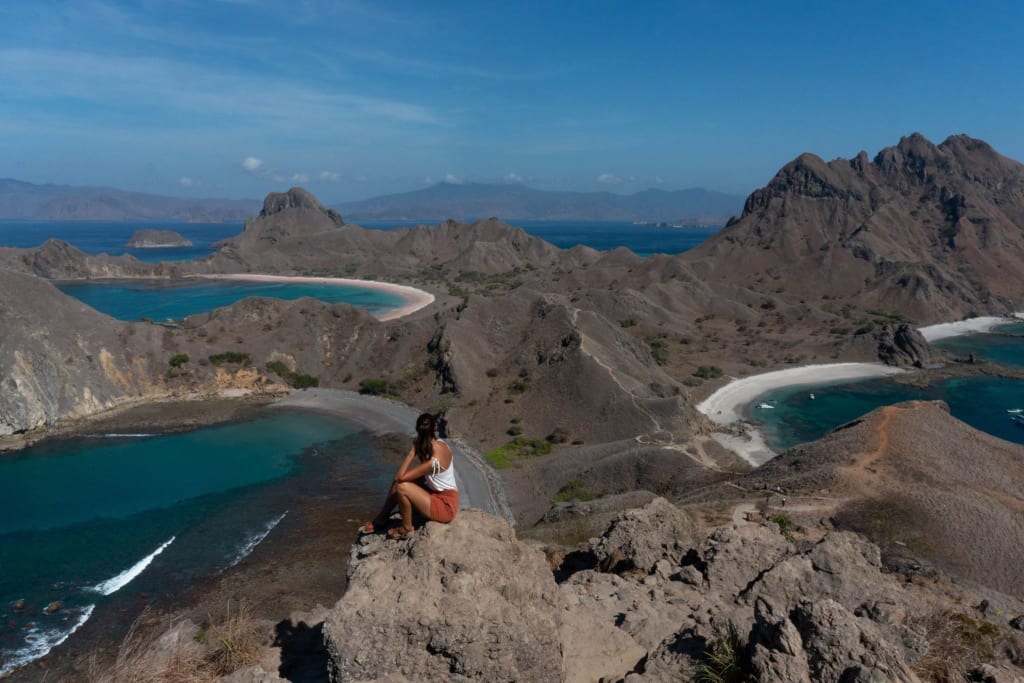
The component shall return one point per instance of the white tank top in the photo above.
(441, 479)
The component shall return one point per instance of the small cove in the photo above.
(981, 401)
(162, 300)
(101, 524)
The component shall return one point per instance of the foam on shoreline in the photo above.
(725, 406)
(414, 298)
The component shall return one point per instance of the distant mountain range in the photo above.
(27, 201)
(511, 202)
(21, 200)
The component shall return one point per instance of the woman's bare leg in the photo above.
(389, 504)
(411, 496)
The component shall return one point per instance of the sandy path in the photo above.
(415, 299)
(479, 486)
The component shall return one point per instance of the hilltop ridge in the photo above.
(934, 231)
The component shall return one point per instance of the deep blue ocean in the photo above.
(96, 237)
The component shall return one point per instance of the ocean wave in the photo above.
(118, 436)
(246, 548)
(40, 641)
(118, 582)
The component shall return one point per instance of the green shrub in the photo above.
(178, 360)
(574, 490)
(708, 371)
(236, 357)
(374, 387)
(519, 447)
(518, 388)
(786, 525)
(292, 378)
(627, 322)
(724, 661)
(659, 351)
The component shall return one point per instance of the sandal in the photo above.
(367, 528)
(398, 533)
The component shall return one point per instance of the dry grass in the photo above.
(152, 653)
(236, 639)
(957, 642)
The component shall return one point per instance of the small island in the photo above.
(157, 239)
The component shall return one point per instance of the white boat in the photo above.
(765, 405)
(812, 397)
(1015, 410)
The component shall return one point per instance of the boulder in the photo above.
(462, 601)
(641, 537)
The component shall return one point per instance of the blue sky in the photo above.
(350, 99)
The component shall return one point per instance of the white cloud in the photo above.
(609, 179)
(361, 179)
(513, 178)
(330, 176)
(252, 164)
(658, 180)
(428, 181)
(299, 178)
(452, 179)
(185, 181)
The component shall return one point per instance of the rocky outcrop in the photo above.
(157, 239)
(468, 601)
(903, 345)
(459, 602)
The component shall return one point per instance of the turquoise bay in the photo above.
(799, 414)
(96, 522)
(162, 300)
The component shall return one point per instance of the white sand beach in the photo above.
(970, 326)
(415, 299)
(725, 406)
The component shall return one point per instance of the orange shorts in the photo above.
(443, 505)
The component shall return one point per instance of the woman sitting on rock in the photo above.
(429, 487)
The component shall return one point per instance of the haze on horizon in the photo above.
(236, 98)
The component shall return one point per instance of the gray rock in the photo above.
(842, 647)
(463, 601)
(642, 537)
(736, 556)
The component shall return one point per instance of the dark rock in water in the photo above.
(157, 239)
(19, 605)
(52, 607)
(903, 345)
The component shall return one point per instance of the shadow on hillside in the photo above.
(303, 654)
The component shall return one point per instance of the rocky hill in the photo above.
(933, 231)
(921, 484)
(152, 239)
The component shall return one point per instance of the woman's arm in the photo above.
(403, 470)
(441, 453)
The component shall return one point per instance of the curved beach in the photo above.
(970, 326)
(725, 406)
(415, 299)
